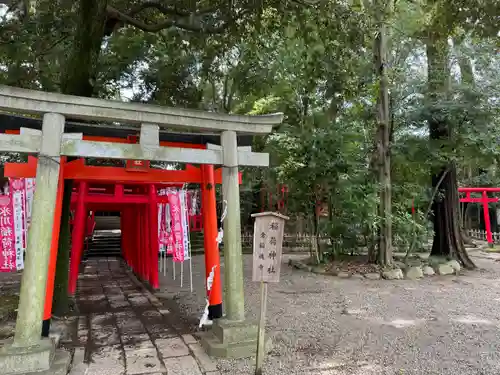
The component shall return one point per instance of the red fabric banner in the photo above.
(177, 229)
(8, 253)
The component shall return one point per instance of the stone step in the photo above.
(100, 245)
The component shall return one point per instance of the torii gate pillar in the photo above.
(28, 352)
(232, 336)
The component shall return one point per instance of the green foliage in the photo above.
(315, 64)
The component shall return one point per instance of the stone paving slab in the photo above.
(107, 361)
(189, 339)
(143, 361)
(206, 363)
(130, 339)
(182, 366)
(173, 347)
(139, 345)
(124, 330)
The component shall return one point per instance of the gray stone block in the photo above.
(107, 360)
(206, 363)
(60, 365)
(143, 361)
(445, 269)
(232, 340)
(215, 348)
(173, 347)
(189, 339)
(37, 358)
(414, 273)
(428, 271)
(232, 332)
(395, 274)
(455, 265)
(182, 366)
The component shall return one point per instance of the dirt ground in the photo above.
(327, 325)
(9, 299)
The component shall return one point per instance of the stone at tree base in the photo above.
(434, 261)
(428, 271)
(395, 274)
(320, 270)
(445, 269)
(455, 265)
(414, 273)
(344, 275)
(399, 264)
(358, 276)
(372, 276)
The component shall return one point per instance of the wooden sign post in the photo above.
(267, 246)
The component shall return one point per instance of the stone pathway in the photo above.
(123, 329)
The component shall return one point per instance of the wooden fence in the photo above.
(292, 242)
(481, 235)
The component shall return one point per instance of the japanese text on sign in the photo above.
(268, 239)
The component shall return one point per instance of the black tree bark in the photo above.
(79, 79)
(447, 236)
(448, 240)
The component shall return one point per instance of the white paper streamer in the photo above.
(210, 280)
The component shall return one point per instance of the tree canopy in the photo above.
(411, 86)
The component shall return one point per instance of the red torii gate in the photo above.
(485, 200)
(133, 191)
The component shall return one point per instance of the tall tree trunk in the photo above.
(447, 237)
(78, 79)
(315, 248)
(467, 77)
(383, 136)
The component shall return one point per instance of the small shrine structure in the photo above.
(54, 147)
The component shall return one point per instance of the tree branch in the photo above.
(188, 25)
(52, 46)
(168, 10)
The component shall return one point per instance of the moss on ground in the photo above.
(8, 307)
(494, 249)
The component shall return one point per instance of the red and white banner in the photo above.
(165, 236)
(185, 223)
(173, 224)
(8, 251)
(177, 230)
(16, 207)
(17, 194)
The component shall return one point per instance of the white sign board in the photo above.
(267, 246)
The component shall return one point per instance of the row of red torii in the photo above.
(132, 191)
(135, 196)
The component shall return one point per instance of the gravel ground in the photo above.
(9, 299)
(325, 325)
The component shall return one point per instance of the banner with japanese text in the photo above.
(17, 194)
(176, 218)
(173, 223)
(183, 196)
(8, 252)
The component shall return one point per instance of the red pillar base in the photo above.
(209, 240)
